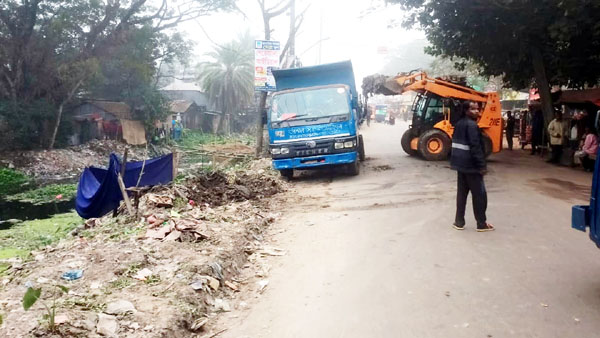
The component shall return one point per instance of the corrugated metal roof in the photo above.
(119, 109)
(180, 106)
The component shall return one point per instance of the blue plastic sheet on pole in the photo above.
(98, 190)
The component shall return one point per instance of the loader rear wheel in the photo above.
(434, 145)
(406, 138)
(487, 144)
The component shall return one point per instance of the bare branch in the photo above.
(271, 14)
(278, 4)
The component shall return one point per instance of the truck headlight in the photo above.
(339, 145)
(276, 151)
(348, 144)
(285, 151)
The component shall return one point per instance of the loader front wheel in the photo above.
(434, 145)
(406, 139)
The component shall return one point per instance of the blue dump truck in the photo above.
(313, 119)
(588, 216)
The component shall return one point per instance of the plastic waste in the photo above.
(72, 275)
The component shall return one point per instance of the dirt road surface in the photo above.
(375, 255)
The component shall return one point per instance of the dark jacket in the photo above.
(510, 125)
(467, 147)
(537, 126)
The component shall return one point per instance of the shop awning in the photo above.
(580, 96)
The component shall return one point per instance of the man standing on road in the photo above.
(537, 131)
(468, 159)
(510, 129)
(557, 135)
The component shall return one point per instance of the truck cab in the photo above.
(313, 120)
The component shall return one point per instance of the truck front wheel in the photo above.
(353, 168)
(287, 173)
(361, 148)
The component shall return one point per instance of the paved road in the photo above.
(375, 255)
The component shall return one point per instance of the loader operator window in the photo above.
(428, 109)
(309, 104)
(435, 112)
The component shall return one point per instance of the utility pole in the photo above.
(320, 35)
(267, 14)
(292, 38)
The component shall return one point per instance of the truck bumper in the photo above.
(580, 217)
(314, 161)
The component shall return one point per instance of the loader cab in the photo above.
(429, 109)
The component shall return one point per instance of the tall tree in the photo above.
(229, 78)
(555, 42)
(53, 50)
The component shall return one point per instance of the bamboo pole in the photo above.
(125, 196)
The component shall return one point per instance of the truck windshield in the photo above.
(308, 104)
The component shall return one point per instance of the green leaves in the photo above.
(31, 296)
(500, 35)
(63, 288)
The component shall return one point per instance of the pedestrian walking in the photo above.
(537, 131)
(468, 159)
(510, 129)
(556, 130)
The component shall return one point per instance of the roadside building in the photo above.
(97, 119)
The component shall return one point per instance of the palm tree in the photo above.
(229, 78)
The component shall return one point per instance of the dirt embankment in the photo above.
(195, 251)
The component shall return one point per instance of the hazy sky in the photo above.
(351, 29)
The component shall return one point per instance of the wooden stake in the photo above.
(125, 196)
(122, 173)
(175, 164)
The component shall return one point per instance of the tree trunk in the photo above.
(59, 113)
(259, 124)
(56, 125)
(543, 86)
(263, 98)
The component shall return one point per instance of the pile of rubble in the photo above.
(195, 251)
(63, 164)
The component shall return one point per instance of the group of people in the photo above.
(584, 145)
(582, 139)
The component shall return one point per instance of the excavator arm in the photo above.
(421, 83)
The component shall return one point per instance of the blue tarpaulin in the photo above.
(98, 190)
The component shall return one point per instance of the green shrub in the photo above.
(46, 194)
(11, 181)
